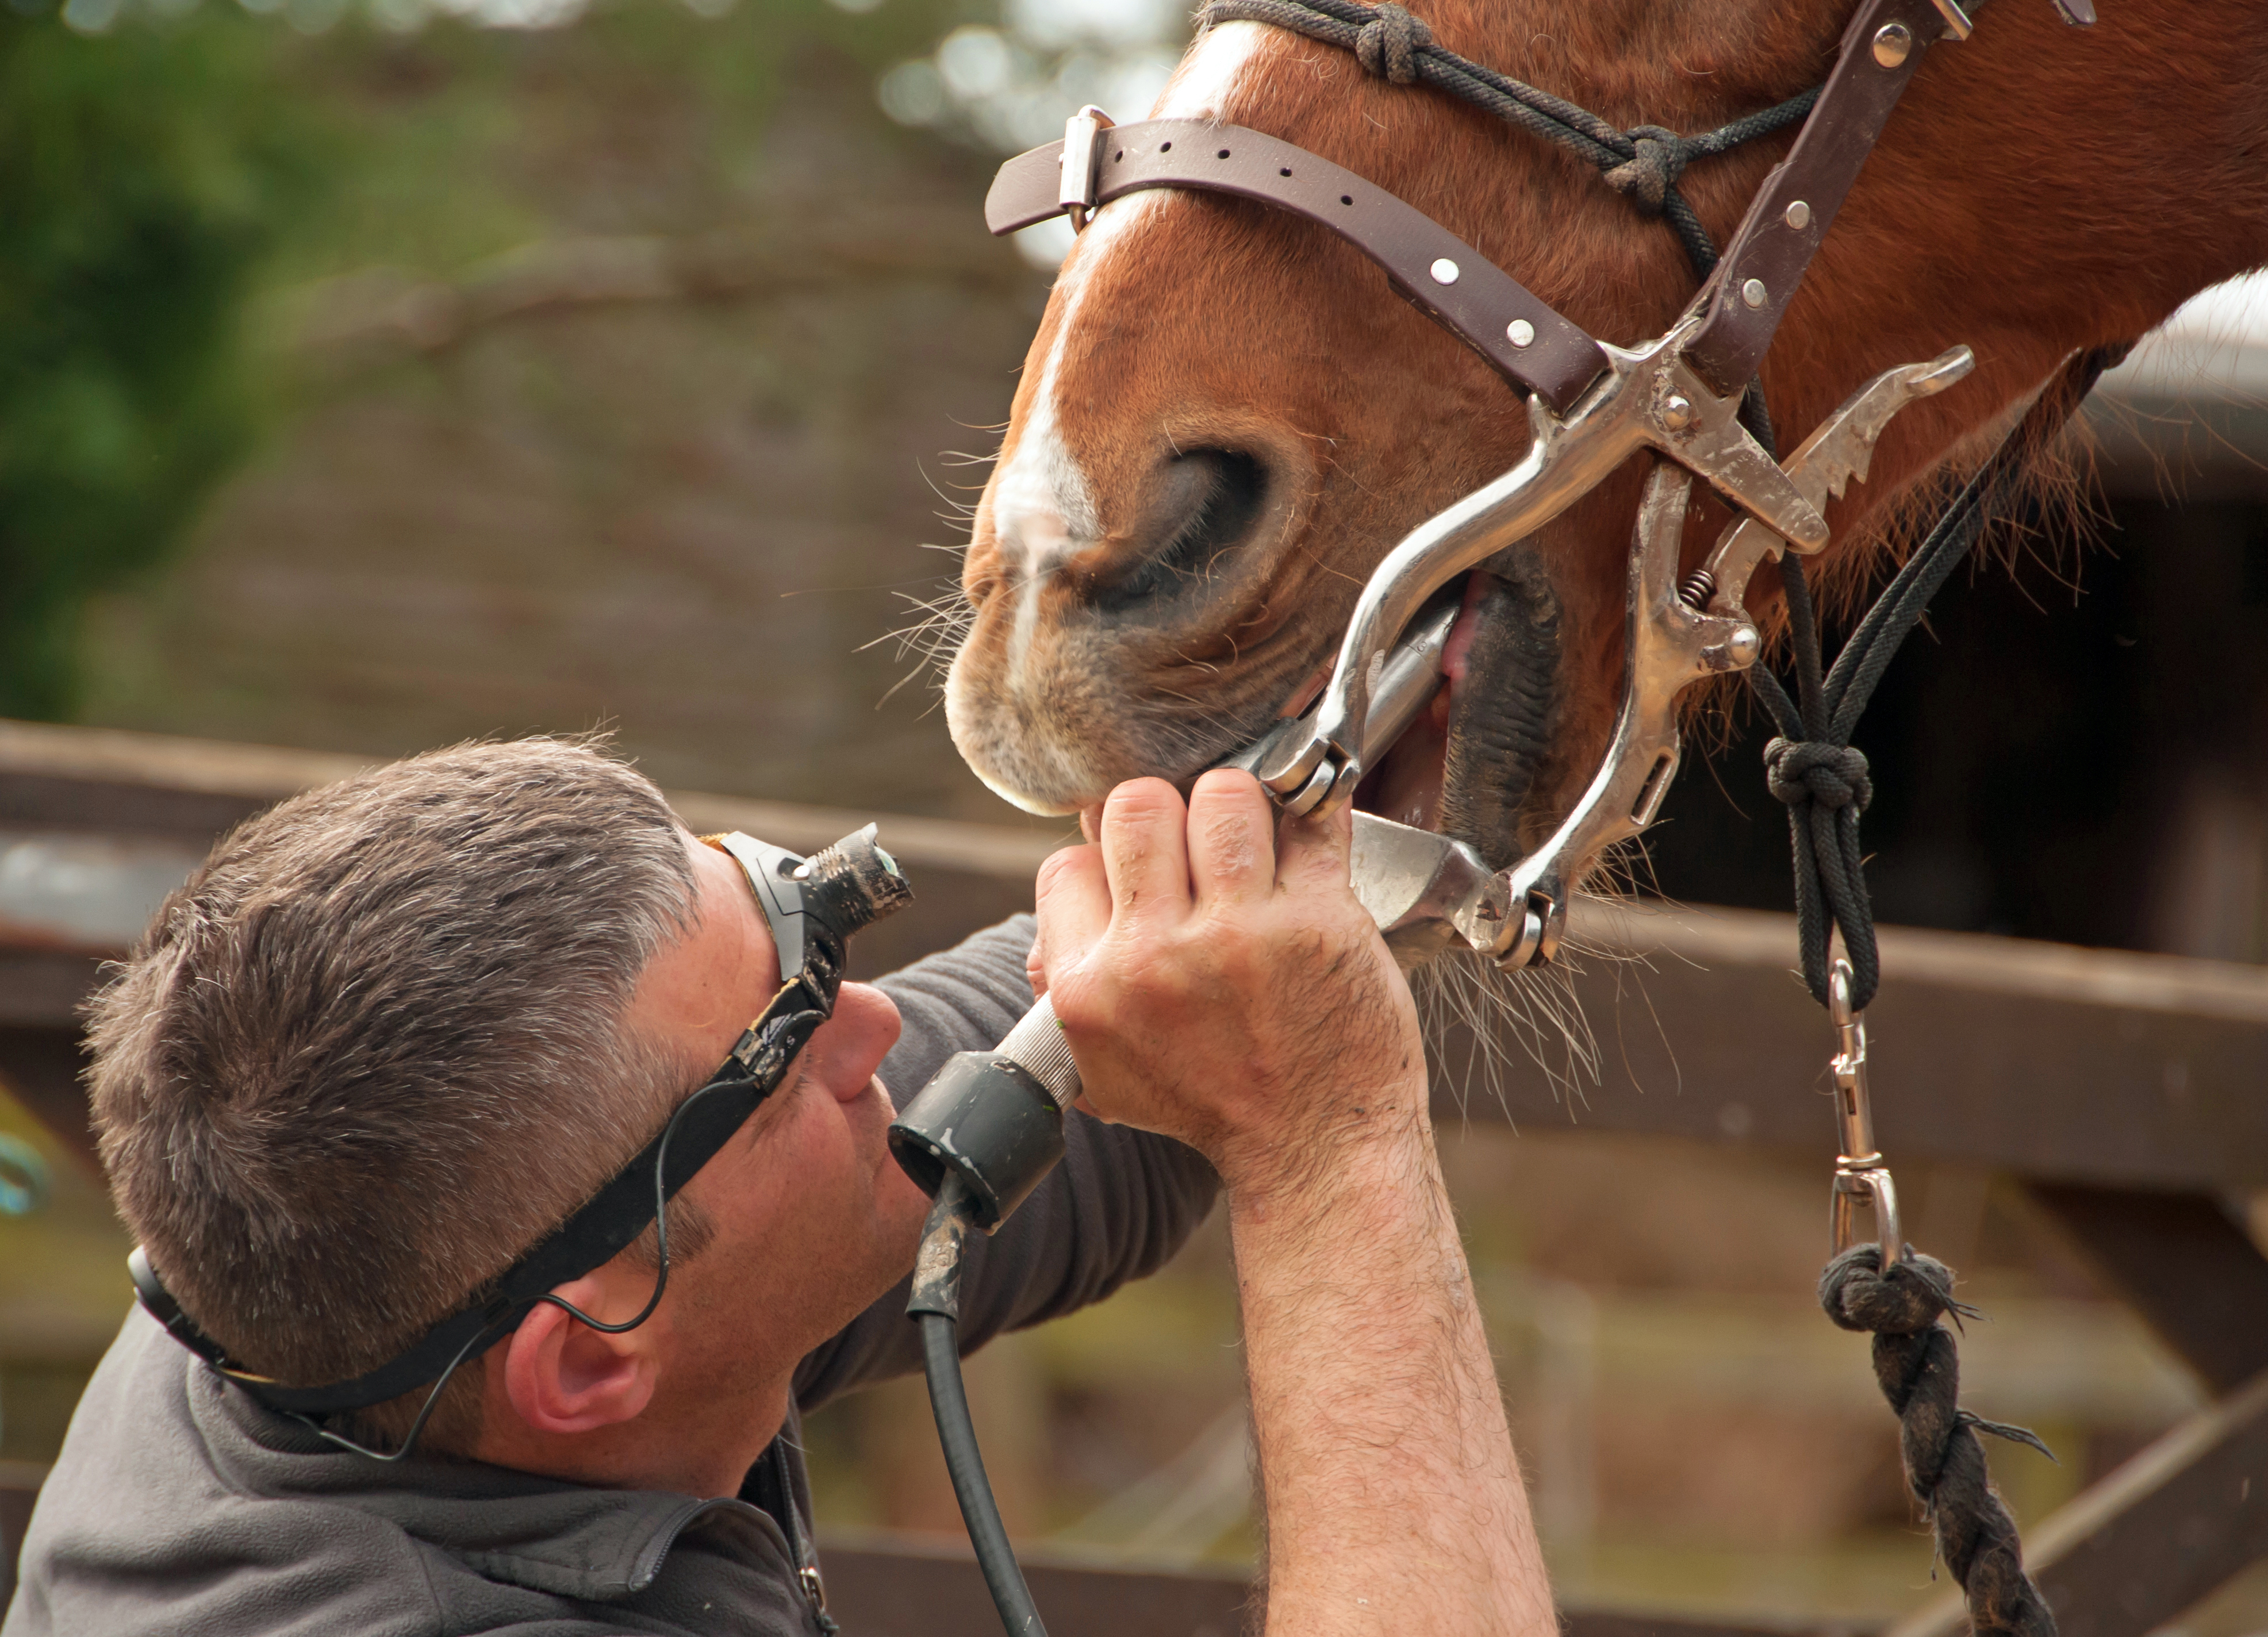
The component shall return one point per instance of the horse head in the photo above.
(1227, 418)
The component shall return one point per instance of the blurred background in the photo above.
(376, 373)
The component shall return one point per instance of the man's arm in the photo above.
(1219, 983)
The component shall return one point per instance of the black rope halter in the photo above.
(1642, 164)
(1812, 766)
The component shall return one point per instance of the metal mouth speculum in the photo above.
(1429, 891)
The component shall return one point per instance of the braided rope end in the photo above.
(1917, 1367)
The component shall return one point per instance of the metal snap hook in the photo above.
(1881, 1194)
(1859, 1173)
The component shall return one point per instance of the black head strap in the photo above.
(608, 1223)
(812, 907)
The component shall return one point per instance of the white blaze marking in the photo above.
(1207, 78)
(1043, 511)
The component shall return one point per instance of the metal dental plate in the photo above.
(1425, 889)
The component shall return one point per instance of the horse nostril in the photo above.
(1204, 504)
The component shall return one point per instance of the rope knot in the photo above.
(1810, 770)
(1857, 1294)
(1646, 178)
(1388, 44)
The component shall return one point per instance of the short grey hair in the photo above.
(374, 1049)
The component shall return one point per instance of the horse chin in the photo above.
(1059, 733)
(1023, 761)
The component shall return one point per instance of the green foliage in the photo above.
(161, 177)
(470, 141)
(142, 176)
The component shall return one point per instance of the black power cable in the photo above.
(936, 1308)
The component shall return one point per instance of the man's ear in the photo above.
(563, 1376)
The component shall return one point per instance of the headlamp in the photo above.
(812, 906)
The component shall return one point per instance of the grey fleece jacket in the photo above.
(181, 1507)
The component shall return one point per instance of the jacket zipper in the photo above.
(806, 1560)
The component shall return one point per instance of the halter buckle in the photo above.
(1082, 154)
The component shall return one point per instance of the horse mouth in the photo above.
(1075, 677)
(1468, 765)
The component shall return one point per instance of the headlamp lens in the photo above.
(853, 884)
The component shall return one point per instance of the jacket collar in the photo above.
(547, 1534)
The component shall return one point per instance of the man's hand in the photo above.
(1220, 983)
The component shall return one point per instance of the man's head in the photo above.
(397, 1030)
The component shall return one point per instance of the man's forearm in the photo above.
(1394, 1498)
(1219, 980)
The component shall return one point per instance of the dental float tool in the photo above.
(988, 1126)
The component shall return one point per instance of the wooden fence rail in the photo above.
(2129, 1092)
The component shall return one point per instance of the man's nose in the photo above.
(857, 1039)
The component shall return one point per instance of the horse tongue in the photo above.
(1503, 663)
(1456, 653)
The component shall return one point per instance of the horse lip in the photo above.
(1503, 704)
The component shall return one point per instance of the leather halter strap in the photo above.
(1769, 248)
(1481, 305)
(1488, 309)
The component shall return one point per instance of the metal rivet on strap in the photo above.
(1753, 292)
(1893, 44)
(1444, 271)
(1520, 333)
(1799, 216)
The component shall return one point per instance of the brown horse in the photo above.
(1226, 419)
